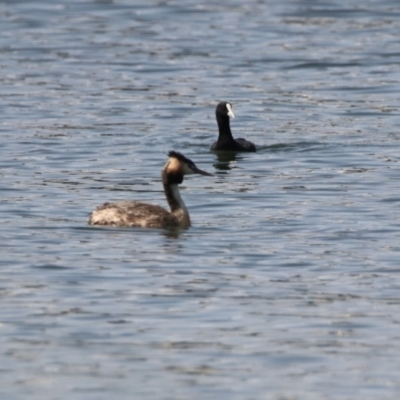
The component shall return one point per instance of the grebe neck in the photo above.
(176, 203)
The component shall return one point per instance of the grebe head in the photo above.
(177, 166)
(224, 109)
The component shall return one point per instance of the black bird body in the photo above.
(225, 141)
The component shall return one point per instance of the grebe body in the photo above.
(225, 141)
(133, 213)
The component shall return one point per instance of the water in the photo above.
(287, 284)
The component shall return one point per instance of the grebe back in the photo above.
(133, 213)
(225, 139)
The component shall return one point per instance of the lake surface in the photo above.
(287, 286)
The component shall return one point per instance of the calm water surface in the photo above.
(287, 286)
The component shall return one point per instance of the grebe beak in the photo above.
(200, 171)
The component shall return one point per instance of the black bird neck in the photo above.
(224, 128)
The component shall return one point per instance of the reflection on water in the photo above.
(172, 234)
(226, 160)
(289, 272)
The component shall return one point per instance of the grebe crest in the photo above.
(225, 141)
(133, 213)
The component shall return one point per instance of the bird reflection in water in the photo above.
(226, 160)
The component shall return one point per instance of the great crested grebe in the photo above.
(133, 213)
(225, 139)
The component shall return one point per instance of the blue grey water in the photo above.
(287, 285)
